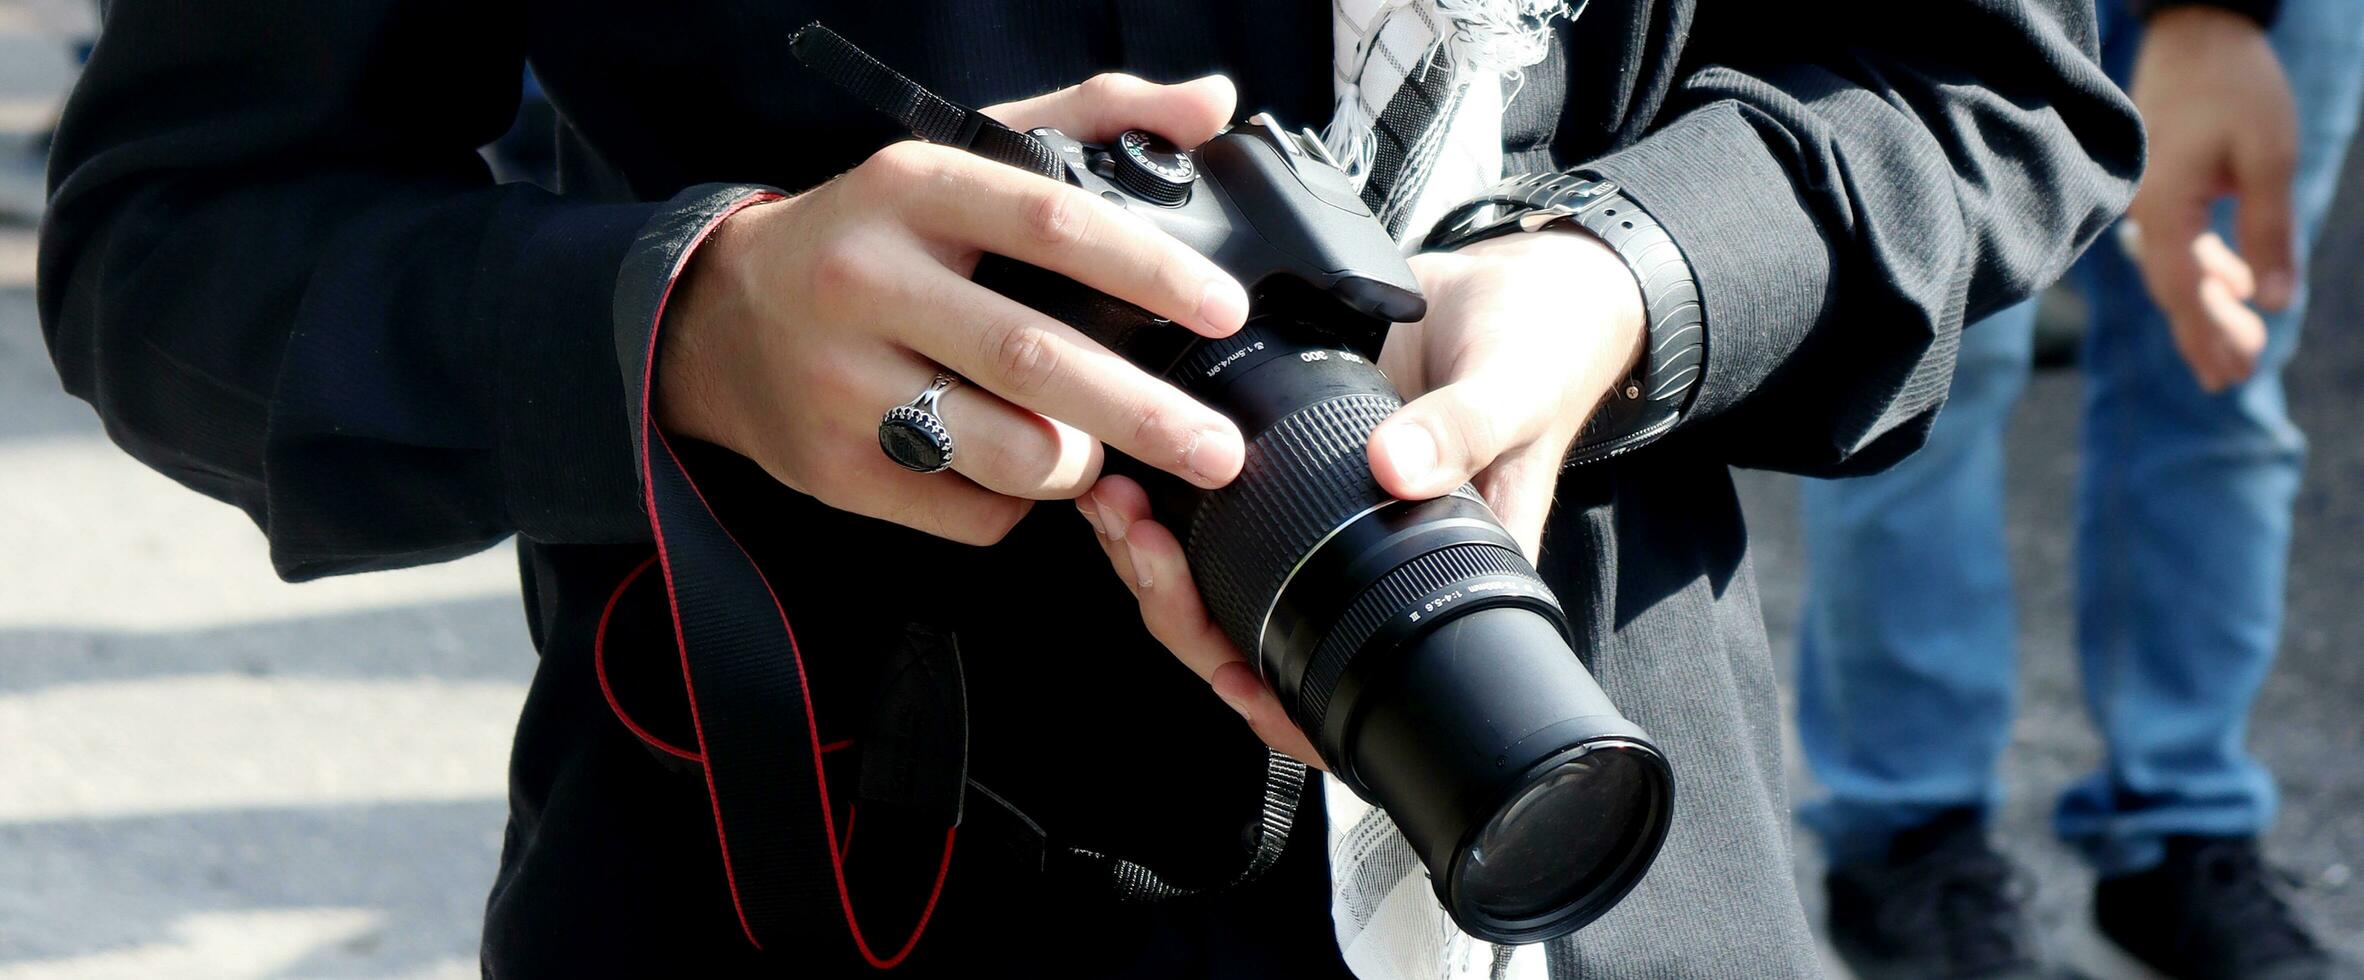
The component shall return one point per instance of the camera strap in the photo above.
(758, 740)
(929, 116)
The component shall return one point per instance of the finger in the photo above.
(1048, 367)
(2218, 261)
(1443, 438)
(979, 205)
(2264, 221)
(1239, 687)
(1109, 529)
(2196, 341)
(1170, 604)
(946, 505)
(2170, 264)
(2239, 335)
(2198, 350)
(1004, 448)
(1152, 562)
(1119, 557)
(1103, 106)
(1112, 506)
(1519, 488)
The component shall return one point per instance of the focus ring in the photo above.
(1304, 475)
(1387, 598)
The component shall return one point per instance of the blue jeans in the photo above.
(1906, 654)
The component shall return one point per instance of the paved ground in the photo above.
(204, 772)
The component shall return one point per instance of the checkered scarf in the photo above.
(1421, 85)
(1420, 88)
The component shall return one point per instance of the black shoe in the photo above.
(1942, 905)
(2210, 910)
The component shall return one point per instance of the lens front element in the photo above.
(1555, 853)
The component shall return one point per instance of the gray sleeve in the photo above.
(1850, 188)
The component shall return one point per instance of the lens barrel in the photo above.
(1414, 643)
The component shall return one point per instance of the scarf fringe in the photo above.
(1481, 39)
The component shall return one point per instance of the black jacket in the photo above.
(277, 267)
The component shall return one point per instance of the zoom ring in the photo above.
(1386, 599)
(1304, 477)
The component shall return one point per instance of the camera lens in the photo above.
(1414, 643)
(1562, 837)
(1533, 803)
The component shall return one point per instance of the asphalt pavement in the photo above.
(205, 772)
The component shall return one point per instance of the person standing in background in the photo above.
(2190, 467)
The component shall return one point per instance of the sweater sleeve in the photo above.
(1850, 188)
(277, 268)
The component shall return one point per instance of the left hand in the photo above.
(2221, 121)
(1525, 334)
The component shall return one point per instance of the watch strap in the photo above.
(1675, 345)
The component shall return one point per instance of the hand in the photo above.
(802, 321)
(1524, 335)
(2221, 121)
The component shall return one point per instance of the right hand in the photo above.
(2221, 120)
(802, 321)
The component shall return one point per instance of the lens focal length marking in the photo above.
(1442, 599)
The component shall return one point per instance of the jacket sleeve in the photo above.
(1850, 183)
(276, 266)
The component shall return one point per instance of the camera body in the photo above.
(1411, 640)
(1267, 205)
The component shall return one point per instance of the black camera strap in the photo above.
(759, 741)
(929, 116)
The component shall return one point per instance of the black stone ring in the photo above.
(913, 435)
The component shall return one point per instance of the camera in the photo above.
(1411, 640)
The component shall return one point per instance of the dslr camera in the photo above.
(1410, 639)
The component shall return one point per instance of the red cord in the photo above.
(845, 900)
(599, 666)
(616, 706)
(812, 725)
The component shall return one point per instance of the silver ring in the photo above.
(913, 435)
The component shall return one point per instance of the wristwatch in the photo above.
(1652, 399)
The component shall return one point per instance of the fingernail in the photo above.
(1140, 566)
(1112, 523)
(1412, 450)
(1091, 514)
(1236, 705)
(1223, 305)
(1214, 459)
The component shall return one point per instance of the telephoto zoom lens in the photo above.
(1414, 643)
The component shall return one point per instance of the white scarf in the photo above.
(1421, 86)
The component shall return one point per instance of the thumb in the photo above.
(1443, 438)
(2264, 224)
(1187, 113)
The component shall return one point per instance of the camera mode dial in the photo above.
(1153, 169)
